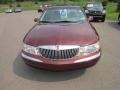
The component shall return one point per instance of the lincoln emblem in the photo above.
(57, 47)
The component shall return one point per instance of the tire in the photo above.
(119, 22)
(119, 18)
(103, 19)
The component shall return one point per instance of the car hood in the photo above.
(61, 34)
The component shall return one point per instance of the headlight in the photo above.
(31, 49)
(89, 49)
(104, 11)
(86, 11)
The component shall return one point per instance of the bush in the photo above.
(5, 1)
(18, 5)
(104, 3)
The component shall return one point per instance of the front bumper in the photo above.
(18, 11)
(97, 15)
(74, 63)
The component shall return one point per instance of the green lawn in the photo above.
(111, 11)
(111, 7)
(2, 7)
(24, 5)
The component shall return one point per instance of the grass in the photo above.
(2, 7)
(111, 11)
(111, 7)
(24, 5)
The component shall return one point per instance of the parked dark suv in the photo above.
(96, 10)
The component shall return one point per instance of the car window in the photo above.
(95, 6)
(63, 14)
(90, 5)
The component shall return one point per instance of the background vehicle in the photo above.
(96, 10)
(9, 10)
(18, 9)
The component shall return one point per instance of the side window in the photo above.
(90, 5)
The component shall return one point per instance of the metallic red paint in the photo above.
(62, 34)
(60, 65)
(63, 67)
(79, 33)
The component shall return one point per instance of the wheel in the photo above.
(103, 19)
(119, 18)
(119, 22)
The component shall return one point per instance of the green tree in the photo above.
(118, 7)
(5, 1)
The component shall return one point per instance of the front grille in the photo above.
(59, 54)
(95, 12)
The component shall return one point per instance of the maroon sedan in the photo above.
(62, 39)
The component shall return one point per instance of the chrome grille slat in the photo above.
(68, 55)
(43, 51)
(49, 54)
(95, 12)
(55, 55)
(71, 52)
(58, 54)
(62, 54)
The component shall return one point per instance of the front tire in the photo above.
(119, 22)
(103, 19)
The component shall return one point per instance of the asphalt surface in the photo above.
(15, 75)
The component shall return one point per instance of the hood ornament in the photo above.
(57, 47)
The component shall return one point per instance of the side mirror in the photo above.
(90, 18)
(40, 10)
(36, 20)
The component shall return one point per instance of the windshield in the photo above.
(95, 6)
(63, 15)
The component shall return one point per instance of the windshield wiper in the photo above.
(45, 21)
(65, 21)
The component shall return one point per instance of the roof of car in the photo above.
(64, 6)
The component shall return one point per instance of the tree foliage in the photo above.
(5, 1)
(118, 7)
